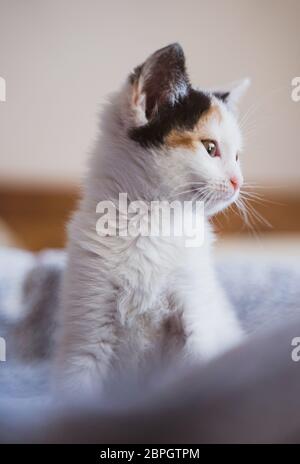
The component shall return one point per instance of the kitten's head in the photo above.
(193, 135)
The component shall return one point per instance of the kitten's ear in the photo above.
(161, 79)
(232, 97)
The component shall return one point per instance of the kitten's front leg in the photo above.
(209, 322)
(86, 352)
(88, 341)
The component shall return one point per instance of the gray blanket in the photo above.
(264, 292)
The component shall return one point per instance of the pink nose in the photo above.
(235, 182)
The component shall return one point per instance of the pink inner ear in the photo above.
(165, 77)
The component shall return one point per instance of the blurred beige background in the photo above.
(60, 59)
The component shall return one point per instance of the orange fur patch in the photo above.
(190, 139)
(184, 139)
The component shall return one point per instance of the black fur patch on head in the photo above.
(223, 96)
(183, 115)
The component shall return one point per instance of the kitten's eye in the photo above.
(237, 157)
(211, 148)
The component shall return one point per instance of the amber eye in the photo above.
(211, 148)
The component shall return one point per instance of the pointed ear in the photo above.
(232, 97)
(161, 79)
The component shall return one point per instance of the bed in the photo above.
(250, 394)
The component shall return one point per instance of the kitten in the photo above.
(128, 301)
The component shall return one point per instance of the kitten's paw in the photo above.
(205, 347)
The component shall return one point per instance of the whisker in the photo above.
(257, 198)
(188, 191)
(258, 216)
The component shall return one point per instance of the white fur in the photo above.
(128, 303)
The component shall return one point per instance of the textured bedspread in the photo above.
(265, 293)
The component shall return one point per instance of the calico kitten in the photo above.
(128, 301)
